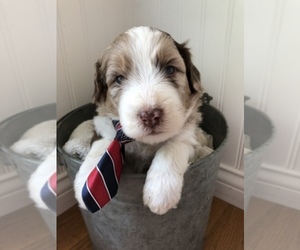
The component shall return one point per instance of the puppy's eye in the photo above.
(169, 70)
(119, 79)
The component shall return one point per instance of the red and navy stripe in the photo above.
(102, 183)
(48, 193)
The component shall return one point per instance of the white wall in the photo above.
(27, 75)
(215, 31)
(272, 81)
(28, 55)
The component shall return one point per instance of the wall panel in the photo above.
(272, 59)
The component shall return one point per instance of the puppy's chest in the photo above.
(138, 157)
(141, 150)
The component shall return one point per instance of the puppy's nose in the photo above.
(151, 118)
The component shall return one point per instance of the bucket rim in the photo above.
(268, 141)
(6, 150)
(194, 164)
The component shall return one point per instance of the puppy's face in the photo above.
(147, 81)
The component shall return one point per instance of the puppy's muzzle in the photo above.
(151, 118)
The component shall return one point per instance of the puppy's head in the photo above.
(148, 81)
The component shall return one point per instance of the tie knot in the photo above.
(120, 136)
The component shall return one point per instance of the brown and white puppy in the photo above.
(147, 81)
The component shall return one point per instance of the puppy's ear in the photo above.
(192, 73)
(100, 86)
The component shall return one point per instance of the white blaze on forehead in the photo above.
(144, 46)
(147, 88)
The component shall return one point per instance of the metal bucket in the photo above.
(261, 130)
(11, 130)
(125, 223)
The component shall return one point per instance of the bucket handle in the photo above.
(206, 98)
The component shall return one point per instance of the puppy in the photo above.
(147, 81)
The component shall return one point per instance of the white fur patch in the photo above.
(39, 177)
(138, 97)
(80, 139)
(162, 190)
(38, 141)
(104, 127)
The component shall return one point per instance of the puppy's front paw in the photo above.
(162, 191)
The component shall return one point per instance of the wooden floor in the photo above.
(25, 229)
(267, 226)
(271, 226)
(225, 229)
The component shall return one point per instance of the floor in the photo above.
(271, 226)
(225, 230)
(25, 229)
(267, 226)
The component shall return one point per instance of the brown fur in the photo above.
(117, 60)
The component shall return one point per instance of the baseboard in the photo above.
(13, 194)
(230, 186)
(278, 185)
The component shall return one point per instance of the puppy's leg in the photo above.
(97, 150)
(39, 177)
(162, 190)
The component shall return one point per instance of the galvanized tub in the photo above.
(11, 130)
(125, 223)
(259, 127)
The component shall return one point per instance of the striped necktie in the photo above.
(48, 193)
(102, 183)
